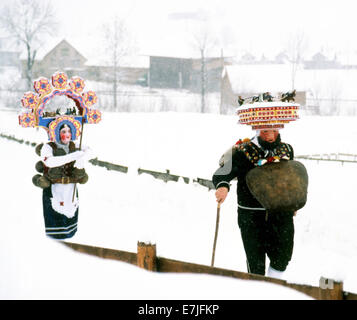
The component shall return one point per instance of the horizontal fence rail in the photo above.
(335, 157)
(146, 258)
(108, 165)
(164, 176)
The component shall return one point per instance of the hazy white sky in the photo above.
(257, 26)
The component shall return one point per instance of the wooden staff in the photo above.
(80, 147)
(216, 234)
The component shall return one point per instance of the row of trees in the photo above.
(30, 22)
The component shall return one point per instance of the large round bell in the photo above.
(279, 186)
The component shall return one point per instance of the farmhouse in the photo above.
(64, 56)
(185, 73)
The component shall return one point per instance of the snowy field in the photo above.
(117, 210)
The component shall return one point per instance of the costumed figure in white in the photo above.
(61, 167)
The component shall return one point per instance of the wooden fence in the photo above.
(146, 258)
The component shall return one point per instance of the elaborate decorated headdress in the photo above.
(52, 121)
(266, 113)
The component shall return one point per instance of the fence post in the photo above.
(330, 289)
(146, 257)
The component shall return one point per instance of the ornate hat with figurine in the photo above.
(36, 102)
(262, 112)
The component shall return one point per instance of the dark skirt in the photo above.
(57, 225)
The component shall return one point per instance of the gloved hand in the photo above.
(88, 153)
(79, 163)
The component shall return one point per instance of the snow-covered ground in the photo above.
(117, 210)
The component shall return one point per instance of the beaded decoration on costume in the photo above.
(268, 112)
(257, 156)
(266, 115)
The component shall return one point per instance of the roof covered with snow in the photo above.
(259, 78)
(274, 78)
(46, 46)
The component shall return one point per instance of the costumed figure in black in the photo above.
(264, 231)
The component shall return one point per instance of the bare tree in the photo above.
(335, 91)
(204, 41)
(118, 43)
(296, 47)
(29, 22)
